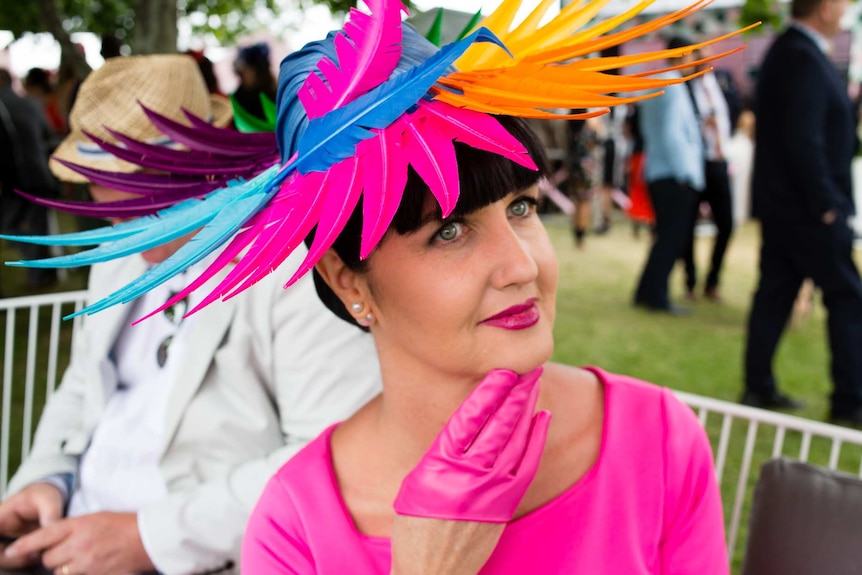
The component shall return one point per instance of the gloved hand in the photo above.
(486, 456)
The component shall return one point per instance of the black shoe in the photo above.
(849, 419)
(670, 309)
(775, 400)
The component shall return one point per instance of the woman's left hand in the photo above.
(484, 459)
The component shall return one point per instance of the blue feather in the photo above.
(333, 137)
(167, 226)
(100, 235)
(224, 224)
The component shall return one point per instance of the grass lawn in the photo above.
(597, 325)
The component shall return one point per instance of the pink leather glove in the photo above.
(486, 456)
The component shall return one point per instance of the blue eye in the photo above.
(521, 207)
(449, 231)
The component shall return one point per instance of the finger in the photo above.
(15, 562)
(461, 429)
(59, 555)
(513, 451)
(529, 463)
(38, 540)
(496, 436)
(49, 510)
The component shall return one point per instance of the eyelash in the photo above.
(531, 202)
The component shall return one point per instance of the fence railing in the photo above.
(742, 437)
(30, 365)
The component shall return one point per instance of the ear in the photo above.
(348, 285)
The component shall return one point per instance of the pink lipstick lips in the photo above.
(519, 316)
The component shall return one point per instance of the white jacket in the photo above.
(265, 373)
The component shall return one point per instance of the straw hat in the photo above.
(109, 97)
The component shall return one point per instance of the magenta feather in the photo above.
(337, 208)
(182, 162)
(477, 130)
(384, 172)
(368, 50)
(243, 140)
(228, 141)
(432, 155)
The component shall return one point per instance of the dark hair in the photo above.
(803, 8)
(205, 65)
(256, 58)
(485, 178)
(678, 42)
(5, 78)
(38, 78)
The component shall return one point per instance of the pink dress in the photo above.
(649, 505)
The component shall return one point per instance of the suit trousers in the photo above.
(791, 252)
(673, 203)
(718, 195)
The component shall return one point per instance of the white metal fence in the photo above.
(30, 315)
(742, 437)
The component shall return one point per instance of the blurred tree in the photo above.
(765, 11)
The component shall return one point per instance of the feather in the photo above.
(460, 101)
(227, 141)
(87, 237)
(432, 155)
(368, 50)
(181, 162)
(436, 28)
(384, 172)
(337, 208)
(334, 136)
(478, 130)
(295, 218)
(245, 121)
(156, 230)
(470, 25)
(247, 199)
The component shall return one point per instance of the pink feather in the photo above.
(432, 155)
(476, 129)
(346, 183)
(384, 171)
(368, 50)
(296, 217)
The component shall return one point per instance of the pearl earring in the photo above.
(356, 307)
(366, 321)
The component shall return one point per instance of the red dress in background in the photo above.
(641, 209)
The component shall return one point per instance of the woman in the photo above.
(626, 482)
(449, 470)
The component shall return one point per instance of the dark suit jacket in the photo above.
(805, 136)
(29, 137)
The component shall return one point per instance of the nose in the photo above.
(511, 254)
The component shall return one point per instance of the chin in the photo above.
(527, 357)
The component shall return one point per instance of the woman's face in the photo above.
(467, 295)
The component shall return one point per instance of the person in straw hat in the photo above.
(152, 452)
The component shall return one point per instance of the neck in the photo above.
(816, 25)
(416, 405)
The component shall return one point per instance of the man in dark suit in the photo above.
(24, 166)
(803, 197)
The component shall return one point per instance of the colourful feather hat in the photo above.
(354, 111)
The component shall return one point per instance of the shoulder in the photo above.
(631, 399)
(276, 538)
(303, 481)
